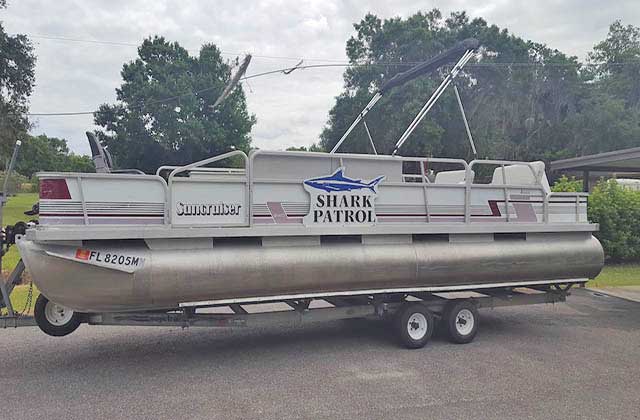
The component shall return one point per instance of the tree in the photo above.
(617, 63)
(17, 62)
(313, 148)
(164, 112)
(521, 97)
(42, 153)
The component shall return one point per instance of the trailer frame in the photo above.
(300, 312)
(378, 306)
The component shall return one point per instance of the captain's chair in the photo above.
(519, 174)
(452, 177)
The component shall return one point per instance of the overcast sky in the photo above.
(291, 110)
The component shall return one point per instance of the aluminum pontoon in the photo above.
(131, 248)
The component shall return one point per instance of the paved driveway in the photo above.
(575, 360)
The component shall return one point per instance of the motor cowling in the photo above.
(11, 231)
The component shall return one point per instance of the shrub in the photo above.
(617, 210)
(564, 184)
(16, 183)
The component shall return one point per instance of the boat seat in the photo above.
(452, 177)
(521, 175)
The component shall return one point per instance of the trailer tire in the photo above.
(462, 321)
(55, 320)
(414, 325)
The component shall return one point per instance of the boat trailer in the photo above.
(510, 222)
(413, 314)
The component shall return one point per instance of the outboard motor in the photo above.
(10, 233)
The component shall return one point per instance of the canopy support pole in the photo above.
(373, 146)
(464, 118)
(445, 57)
(433, 99)
(364, 112)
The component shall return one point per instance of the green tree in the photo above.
(42, 153)
(603, 123)
(17, 62)
(617, 63)
(78, 163)
(608, 109)
(164, 112)
(313, 148)
(516, 111)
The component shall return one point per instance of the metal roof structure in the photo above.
(625, 161)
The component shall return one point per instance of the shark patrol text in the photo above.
(332, 208)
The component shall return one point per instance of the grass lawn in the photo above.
(19, 298)
(13, 212)
(617, 275)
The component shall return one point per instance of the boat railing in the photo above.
(540, 179)
(230, 171)
(502, 164)
(269, 176)
(575, 196)
(200, 165)
(339, 160)
(85, 182)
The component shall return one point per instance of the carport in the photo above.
(619, 162)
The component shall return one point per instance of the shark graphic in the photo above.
(337, 182)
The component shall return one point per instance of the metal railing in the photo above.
(340, 157)
(576, 196)
(198, 166)
(410, 180)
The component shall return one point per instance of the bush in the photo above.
(564, 184)
(617, 210)
(17, 183)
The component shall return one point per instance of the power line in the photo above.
(87, 41)
(309, 66)
(128, 44)
(58, 114)
(175, 97)
(286, 70)
(334, 60)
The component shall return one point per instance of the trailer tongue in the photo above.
(329, 235)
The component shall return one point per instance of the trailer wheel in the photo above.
(55, 320)
(462, 321)
(415, 325)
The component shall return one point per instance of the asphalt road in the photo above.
(575, 360)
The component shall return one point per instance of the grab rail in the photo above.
(235, 171)
(575, 195)
(538, 176)
(247, 176)
(79, 177)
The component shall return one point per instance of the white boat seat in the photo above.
(452, 177)
(521, 175)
